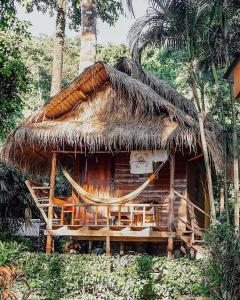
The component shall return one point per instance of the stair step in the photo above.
(199, 241)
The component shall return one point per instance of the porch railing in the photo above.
(107, 215)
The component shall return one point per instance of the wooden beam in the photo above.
(108, 246)
(90, 243)
(51, 196)
(86, 231)
(170, 248)
(195, 157)
(49, 245)
(171, 206)
(27, 182)
(172, 196)
(191, 203)
(121, 248)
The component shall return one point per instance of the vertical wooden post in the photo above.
(171, 204)
(96, 215)
(170, 248)
(90, 243)
(131, 215)
(121, 248)
(108, 246)
(119, 215)
(171, 194)
(144, 215)
(108, 217)
(51, 196)
(192, 216)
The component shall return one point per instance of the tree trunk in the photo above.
(235, 162)
(88, 34)
(58, 47)
(198, 106)
(224, 137)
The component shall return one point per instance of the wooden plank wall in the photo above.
(109, 175)
(158, 190)
(196, 188)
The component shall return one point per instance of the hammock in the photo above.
(90, 198)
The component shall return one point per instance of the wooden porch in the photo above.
(124, 223)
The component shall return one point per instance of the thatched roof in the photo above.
(108, 109)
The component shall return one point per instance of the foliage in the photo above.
(111, 53)
(107, 10)
(13, 194)
(37, 56)
(100, 277)
(13, 73)
(11, 252)
(223, 268)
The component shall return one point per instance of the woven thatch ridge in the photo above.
(124, 113)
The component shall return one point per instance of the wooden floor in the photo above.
(123, 233)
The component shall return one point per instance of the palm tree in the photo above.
(88, 34)
(178, 24)
(61, 7)
(89, 9)
(82, 12)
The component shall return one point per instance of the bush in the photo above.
(223, 265)
(118, 277)
(91, 277)
(11, 253)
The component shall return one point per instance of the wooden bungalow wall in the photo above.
(106, 175)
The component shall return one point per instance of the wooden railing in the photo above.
(193, 224)
(99, 214)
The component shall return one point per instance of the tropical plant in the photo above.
(13, 73)
(15, 201)
(179, 25)
(108, 11)
(223, 265)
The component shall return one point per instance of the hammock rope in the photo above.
(93, 199)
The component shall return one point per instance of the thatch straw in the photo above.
(118, 112)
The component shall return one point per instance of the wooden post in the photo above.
(131, 215)
(96, 215)
(119, 215)
(171, 206)
(121, 248)
(108, 246)
(170, 248)
(144, 215)
(108, 217)
(51, 196)
(90, 246)
(49, 244)
(192, 216)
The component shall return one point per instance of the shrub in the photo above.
(118, 277)
(91, 277)
(223, 265)
(11, 252)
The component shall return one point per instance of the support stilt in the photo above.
(49, 244)
(108, 246)
(51, 195)
(90, 246)
(170, 248)
(121, 248)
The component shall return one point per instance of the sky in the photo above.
(117, 34)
